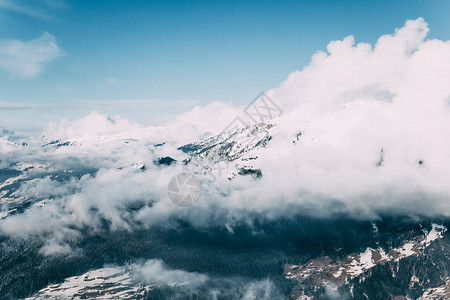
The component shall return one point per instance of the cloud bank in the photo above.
(26, 59)
(375, 139)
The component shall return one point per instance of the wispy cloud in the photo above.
(13, 106)
(37, 9)
(13, 6)
(138, 103)
(26, 59)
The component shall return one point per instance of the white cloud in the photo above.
(53, 248)
(264, 289)
(154, 271)
(92, 125)
(26, 59)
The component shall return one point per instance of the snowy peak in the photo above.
(231, 146)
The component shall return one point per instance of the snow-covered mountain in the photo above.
(289, 199)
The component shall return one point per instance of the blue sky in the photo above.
(174, 54)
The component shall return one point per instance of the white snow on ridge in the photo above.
(361, 263)
(439, 293)
(436, 232)
(130, 282)
(105, 283)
